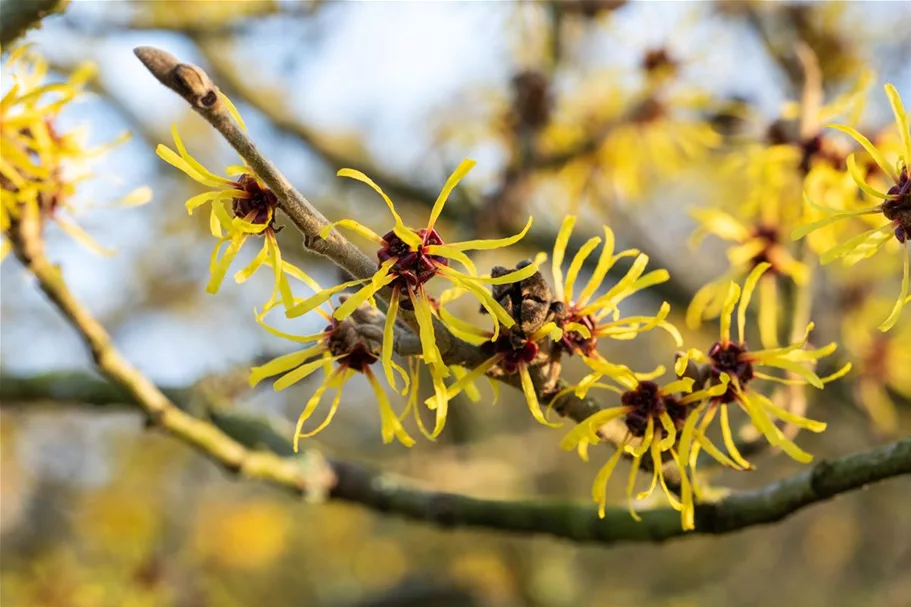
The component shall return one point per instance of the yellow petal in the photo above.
(858, 176)
(749, 286)
(354, 226)
(877, 156)
(901, 119)
(903, 298)
(319, 298)
(485, 245)
(243, 275)
(728, 310)
(391, 427)
(284, 363)
(413, 239)
(515, 276)
(232, 109)
(464, 330)
(425, 329)
(80, 236)
(301, 372)
(729, 440)
(631, 488)
(605, 262)
(354, 302)
(441, 403)
(389, 338)
(576, 265)
(805, 229)
(531, 397)
(218, 269)
(295, 272)
(467, 379)
(563, 235)
(599, 487)
(471, 390)
(451, 252)
(310, 408)
(852, 244)
(721, 224)
(464, 167)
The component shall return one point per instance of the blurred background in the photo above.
(626, 113)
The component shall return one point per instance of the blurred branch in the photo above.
(19, 16)
(73, 387)
(28, 246)
(569, 520)
(202, 24)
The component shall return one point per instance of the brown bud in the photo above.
(529, 302)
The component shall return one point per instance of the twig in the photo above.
(194, 85)
(463, 209)
(25, 236)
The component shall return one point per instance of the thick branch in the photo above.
(565, 519)
(573, 521)
(19, 16)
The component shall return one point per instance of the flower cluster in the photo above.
(662, 427)
(240, 207)
(41, 164)
(895, 206)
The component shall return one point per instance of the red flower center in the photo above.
(514, 354)
(574, 341)
(770, 235)
(730, 358)
(647, 402)
(412, 267)
(355, 353)
(257, 208)
(898, 210)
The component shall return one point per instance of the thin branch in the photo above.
(19, 16)
(195, 86)
(464, 210)
(25, 236)
(564, 519)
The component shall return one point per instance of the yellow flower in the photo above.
(586, 318)
(734, 360)
(752, 245)
(616, 143)
(509, 355)
(896, 207)
(39, 164)
(655, 417)
(252, 213)
(408, 259)
(883, 360)
(343, 348)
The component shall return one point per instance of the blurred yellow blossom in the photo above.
(896, 207)
(41, 165)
